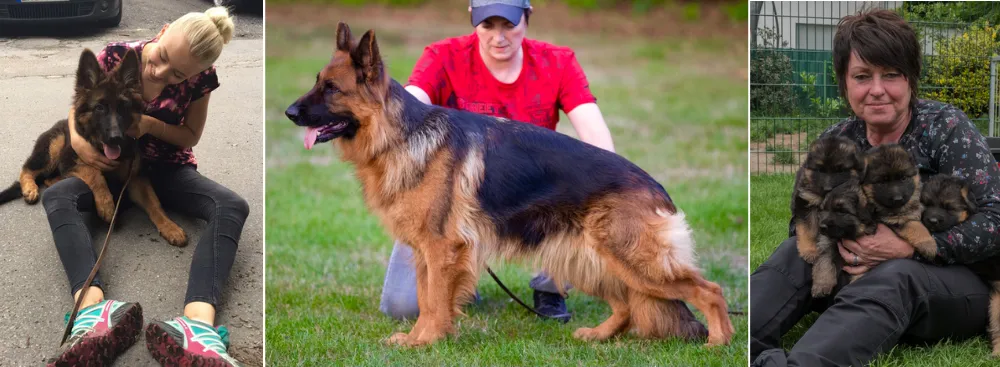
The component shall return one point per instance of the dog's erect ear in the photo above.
(128, 70)
(343, 37)
(89, 72)
(865, 214)
(367, 56)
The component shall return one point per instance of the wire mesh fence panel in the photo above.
(794, 94)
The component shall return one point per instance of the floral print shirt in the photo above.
(943, 140)
(170, 106)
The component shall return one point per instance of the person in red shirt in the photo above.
(497, 71)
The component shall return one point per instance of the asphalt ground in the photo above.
(37, 69)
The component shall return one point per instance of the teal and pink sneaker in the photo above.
(186, 342)
(100, 334)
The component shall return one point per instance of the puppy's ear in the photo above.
(970, 201)
(862, 164)
(89, 71)
(865, 214)
(128, 70)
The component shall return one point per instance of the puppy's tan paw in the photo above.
(30, 195)
(105, 208)
(822, 287)
(174, 235)
(927, 249)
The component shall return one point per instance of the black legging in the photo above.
(180, 189)
(898, 301)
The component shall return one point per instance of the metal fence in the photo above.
(793, 89)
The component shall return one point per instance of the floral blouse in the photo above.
(170, 106)
(943, 140)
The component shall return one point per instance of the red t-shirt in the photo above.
(453, 74)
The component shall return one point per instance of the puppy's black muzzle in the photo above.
(938, 220)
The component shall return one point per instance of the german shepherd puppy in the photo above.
(947, 203)
(844, 214)
(892, 188)
(831, 162)
(463, 188)
(106, 105)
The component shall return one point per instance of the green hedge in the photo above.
(960, 74)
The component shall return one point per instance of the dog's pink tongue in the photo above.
(311, 134)
(112, 151)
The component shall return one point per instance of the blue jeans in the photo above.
(399, 292)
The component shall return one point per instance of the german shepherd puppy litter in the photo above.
(464, 188)
(892, 187)
(831, 162)
(106, 105)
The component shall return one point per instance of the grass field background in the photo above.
(769, 215)
(676, 106)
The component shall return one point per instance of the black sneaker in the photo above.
(552, 305)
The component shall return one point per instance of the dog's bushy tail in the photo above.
(679, 259)
(655, 318)
(11, 193)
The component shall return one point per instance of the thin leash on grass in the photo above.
(100, 257)
(559, 316)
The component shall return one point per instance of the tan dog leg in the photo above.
(824, 271)
(805, 237)
(99, 186)
(29, 189)
(618, 321)
(917, 235)
(141, 193)
(437, 309)
(706, 296)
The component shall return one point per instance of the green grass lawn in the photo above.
(769, 215)
(680, 114)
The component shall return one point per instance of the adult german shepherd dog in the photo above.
(464, 188)
(106, 105)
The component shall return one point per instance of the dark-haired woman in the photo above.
(902, 297)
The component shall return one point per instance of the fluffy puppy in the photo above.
(831, 161)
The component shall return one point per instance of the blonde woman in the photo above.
(177, 81)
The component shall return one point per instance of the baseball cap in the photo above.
(508, 9)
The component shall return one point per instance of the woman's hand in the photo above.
(85, 151)
(873, 250)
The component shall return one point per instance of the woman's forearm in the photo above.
(590, 126)
(179, 135)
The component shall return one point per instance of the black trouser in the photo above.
(897, 301)
(180, 189)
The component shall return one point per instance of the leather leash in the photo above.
(518, 300)
(100, 257)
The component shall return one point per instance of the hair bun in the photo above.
(220, 16)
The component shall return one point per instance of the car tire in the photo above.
(116, 20)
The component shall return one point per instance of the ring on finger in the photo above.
(855, 259)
